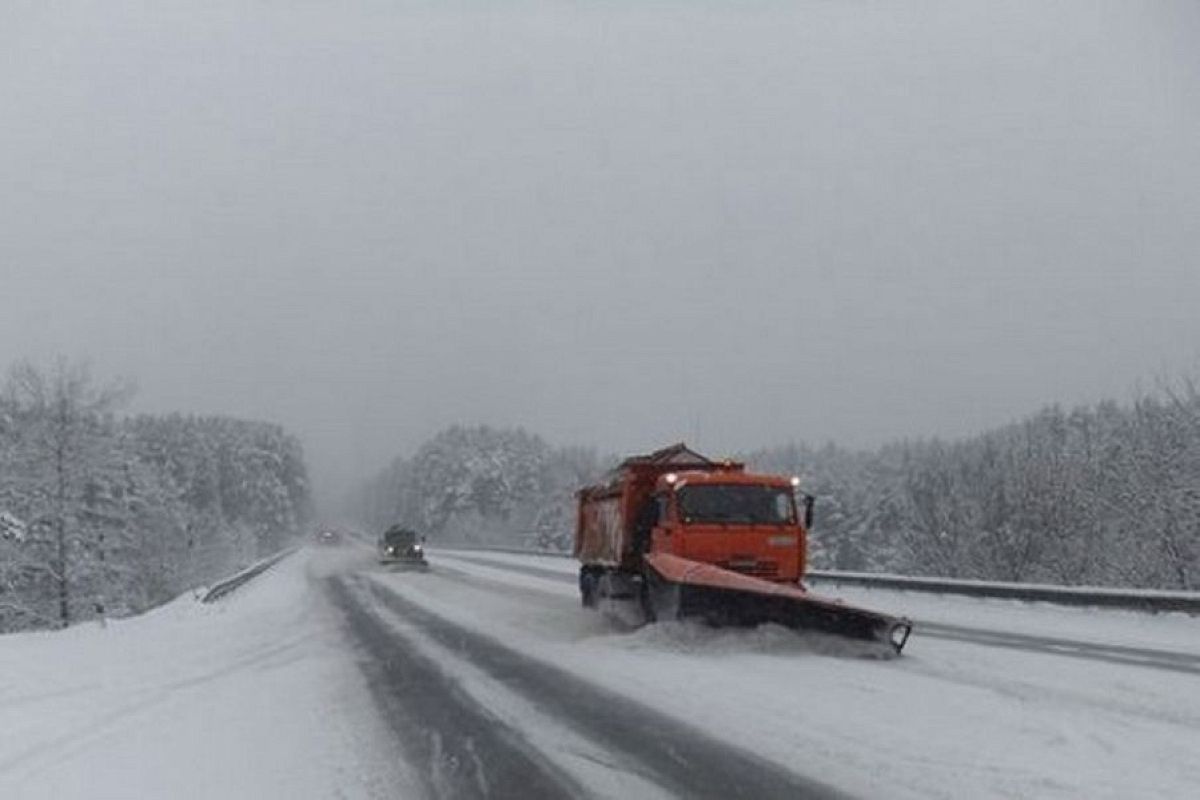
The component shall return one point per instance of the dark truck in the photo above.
(402, 547)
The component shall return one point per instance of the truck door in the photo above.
(661, 539)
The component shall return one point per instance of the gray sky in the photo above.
(614, 223)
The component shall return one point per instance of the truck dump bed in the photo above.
(607, 512)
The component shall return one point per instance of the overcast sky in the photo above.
(614, 223)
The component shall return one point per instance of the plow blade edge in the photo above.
(678, 588)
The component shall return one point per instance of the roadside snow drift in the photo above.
(255, 696)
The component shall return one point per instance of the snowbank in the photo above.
(252, 697)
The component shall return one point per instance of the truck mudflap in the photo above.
(679, 588)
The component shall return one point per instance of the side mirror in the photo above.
(809, 502)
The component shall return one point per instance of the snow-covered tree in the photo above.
(482, 485)
(62, 449)
(101, 515)
(1104, 494)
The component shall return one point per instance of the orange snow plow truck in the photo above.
(687, 537)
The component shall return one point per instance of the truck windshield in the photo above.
(736, 503)
(399, 538)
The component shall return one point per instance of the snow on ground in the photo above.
(1175, 631)
(949, 719)
(259, 695)
(255, 696)
(563, 564)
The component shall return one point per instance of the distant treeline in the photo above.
(1105, 495)
(481, 485)
(104, 515)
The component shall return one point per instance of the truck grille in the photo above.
(749, 566)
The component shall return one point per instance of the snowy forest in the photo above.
(482, 486)
(106, 515)
(1098, 495)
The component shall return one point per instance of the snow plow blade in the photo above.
(678, 588)
(405, 564)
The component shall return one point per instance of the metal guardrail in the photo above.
(1145, 600)
(228, 585)
(1091, 596)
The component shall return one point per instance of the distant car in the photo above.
(402, 547)
(328, 536)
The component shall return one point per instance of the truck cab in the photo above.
(736, 520)
(402, 547)
(677, 502)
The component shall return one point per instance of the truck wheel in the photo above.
(660, 599)
(587, 589)
(647, 602)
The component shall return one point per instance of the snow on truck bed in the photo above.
(254, 696)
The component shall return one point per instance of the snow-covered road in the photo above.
(950, 719)
(510, 725)
(953, 608)
(331, 677)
